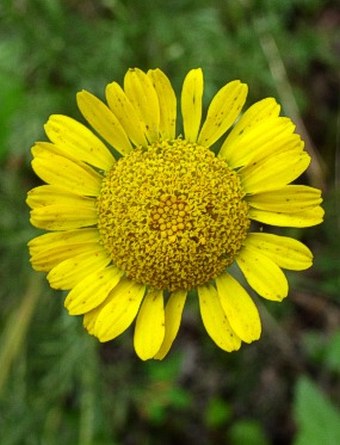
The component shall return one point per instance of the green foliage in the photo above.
(218, 413)
(162, 394)
(57, 384)
(328, 261)
(332, 356)
(324, 349)
(247, 432)
(317, 419)
(11, 96)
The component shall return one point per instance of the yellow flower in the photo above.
(133, 229)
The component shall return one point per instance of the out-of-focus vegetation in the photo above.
(60, 386)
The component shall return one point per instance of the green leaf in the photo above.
(317, 419)
(247, 432)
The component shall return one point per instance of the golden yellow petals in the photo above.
(45, 149)
(62, 172)
(142, 95)
(64, 239)
(167, 103)
(173, 316)
(119, 311)
(50, 249)
(215, 320)
(65, 216)
(222, 112)
(307, 218)
(101, 118)
(46, 195)
(150, 329)
(262, 274)
(263, 110)
(92, 291)
(76, 139)
(191, 104)
(90, 318)
(45, 260)
(270, 137)
(289, 199)
(286, 252)
(70, 272)
(122, 108)
(239, 308)
(273, 172)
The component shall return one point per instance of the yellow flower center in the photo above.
(172, 215)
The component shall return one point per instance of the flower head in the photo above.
(134, 228)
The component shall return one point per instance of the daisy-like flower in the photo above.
(133, 228)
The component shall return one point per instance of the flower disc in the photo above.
(172, 215)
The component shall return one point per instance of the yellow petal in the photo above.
(46, 149)
(125, 113)
(222, 112)
(264, 109)
(90, 318)
(240, 309)
(54, 240)
(262, 274)
(191, 104)
(50, 249)
(92, 291)
(289, 199)
(70, 272)
(141, 93)
(268, 137)
(43, 149)
(65, 216)
(173, 315)
(167, 103)
(101, 118)
(45, 260)
(149, 330)
(74, 138)
(119, 311)
(284, 251)
(307, 218)
(215, 320)
(62, 172)
(46, 195)
(273, 172)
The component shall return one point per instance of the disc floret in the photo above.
(172, 215)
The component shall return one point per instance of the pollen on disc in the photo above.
(172, 215)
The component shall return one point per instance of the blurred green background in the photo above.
(60, 386)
